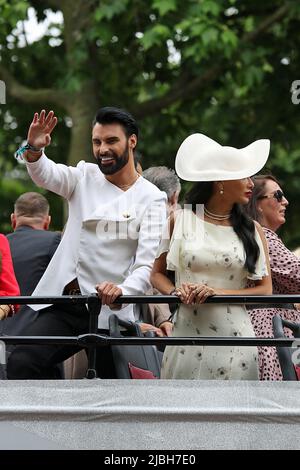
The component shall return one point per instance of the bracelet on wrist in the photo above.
(19, 155)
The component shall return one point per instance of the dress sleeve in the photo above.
(285, 265)
(187, 236)
(174, 249)
(261, 269)
(165, 240)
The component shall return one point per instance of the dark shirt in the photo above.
(31, 251)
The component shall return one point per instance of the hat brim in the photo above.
(200, 158)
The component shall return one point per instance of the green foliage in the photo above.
(13, 11)
(136, 54)
(107, 9)
(154, 36)
(164, 6)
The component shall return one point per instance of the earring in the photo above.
(221, 191)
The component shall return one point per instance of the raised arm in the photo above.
(45, 173)
(39, 134)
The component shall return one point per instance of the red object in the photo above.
(137, 373)
(297, 370)
(8, 282)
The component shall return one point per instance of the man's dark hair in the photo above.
(112, 115)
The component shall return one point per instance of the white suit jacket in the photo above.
(111, 235)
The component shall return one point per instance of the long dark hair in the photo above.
(242, 224)
(258, 191)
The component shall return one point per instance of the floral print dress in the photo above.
(201, 252)
(285, 270)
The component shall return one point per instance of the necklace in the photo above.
(126, 186)
(213, 216)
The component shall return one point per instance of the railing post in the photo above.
(94, 308)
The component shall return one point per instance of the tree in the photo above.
(179, 66)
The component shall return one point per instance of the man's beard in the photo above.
(119, 162)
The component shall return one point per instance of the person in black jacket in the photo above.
(32, 246)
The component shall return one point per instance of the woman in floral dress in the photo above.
(268, 206)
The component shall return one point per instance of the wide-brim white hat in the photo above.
(200, 158)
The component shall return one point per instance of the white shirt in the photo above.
(111, 235)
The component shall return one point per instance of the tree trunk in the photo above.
(82, 111)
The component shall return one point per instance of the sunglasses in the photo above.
(278, 195)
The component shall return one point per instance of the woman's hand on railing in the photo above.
(167, 328)
(199, 293)
(191, 293)
(183, 291)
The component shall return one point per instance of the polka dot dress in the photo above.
(285, 268)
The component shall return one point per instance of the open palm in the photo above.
(39, 133)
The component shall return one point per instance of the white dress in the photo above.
(201, 252)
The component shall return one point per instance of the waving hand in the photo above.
(39, 133)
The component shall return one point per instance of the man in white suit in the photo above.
(110, 240)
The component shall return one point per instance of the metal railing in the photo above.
(92, 340)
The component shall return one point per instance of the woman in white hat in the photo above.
(214, 249)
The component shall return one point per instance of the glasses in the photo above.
(278, 195)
